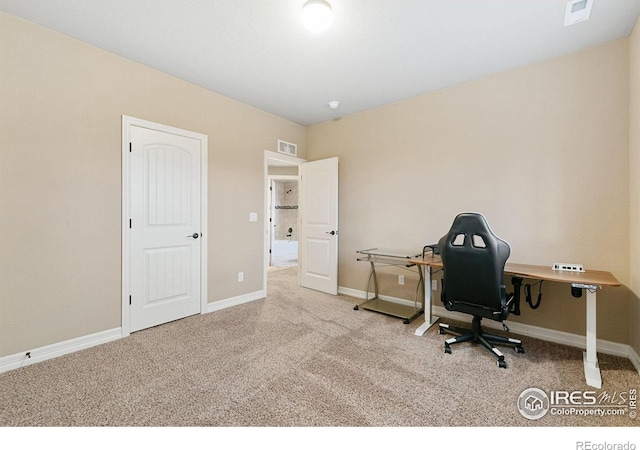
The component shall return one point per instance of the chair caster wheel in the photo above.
(440, 330)
(502, 364)
(519, 349)
(355, 308)
(405, 321)
(447, 349)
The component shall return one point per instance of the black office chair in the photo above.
(473, 282)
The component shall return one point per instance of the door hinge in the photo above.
(130, 223)
(129, 147)
(129, 299)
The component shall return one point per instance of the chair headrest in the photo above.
(470, 222)
(477, 232)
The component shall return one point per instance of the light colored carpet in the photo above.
(297, 358)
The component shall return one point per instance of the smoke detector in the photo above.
(577, 11)
(333, 104)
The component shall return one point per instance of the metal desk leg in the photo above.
(372, 274)
(590, 357)
(375, 279)
(429, 320)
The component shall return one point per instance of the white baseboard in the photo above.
(546, 334)
(73, 345)
(61, 348)
(234, 301)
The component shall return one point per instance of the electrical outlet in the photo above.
(434, 285)
(240, 276)
(401, 280)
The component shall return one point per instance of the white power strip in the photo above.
(568, 267)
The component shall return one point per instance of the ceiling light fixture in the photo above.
(316, 15)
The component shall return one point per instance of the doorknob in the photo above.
(332, 232)
(194, 235)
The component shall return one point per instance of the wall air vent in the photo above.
(577, 11)
(287, 148)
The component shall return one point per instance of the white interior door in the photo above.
(165, 235)
(319, 225)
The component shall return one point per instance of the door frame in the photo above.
(273, 156)
(127, 123)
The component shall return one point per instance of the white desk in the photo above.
(589, 281)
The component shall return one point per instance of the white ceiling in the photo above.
(376, 52)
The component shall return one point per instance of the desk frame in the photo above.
(429, 319)
(383, 258)
(589, 281)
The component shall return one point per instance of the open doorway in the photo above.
(282, 218)
(317, 219)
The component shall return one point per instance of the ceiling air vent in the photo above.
(577, 11)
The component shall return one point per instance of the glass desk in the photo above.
(381, 257)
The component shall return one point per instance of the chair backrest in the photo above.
(473, 260)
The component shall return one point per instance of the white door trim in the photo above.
(278, 157)
(127, 123)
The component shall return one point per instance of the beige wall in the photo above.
(560, 191)
(634, 178)
(542, 151)
(61, 103)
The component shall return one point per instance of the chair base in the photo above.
(485, 340)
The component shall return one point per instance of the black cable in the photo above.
(527, 295)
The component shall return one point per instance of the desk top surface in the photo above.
(384, 252)
(593, 277)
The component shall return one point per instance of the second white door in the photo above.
(319, 225)
(165, 232)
